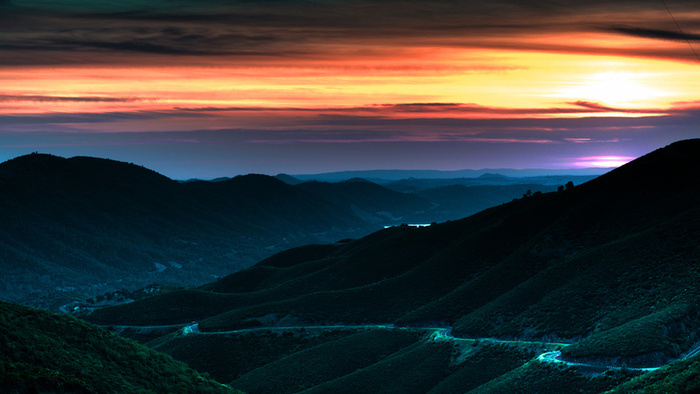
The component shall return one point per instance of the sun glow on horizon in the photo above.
(435, 85)
(602, 161)
(485, 78)
(264, 85)
(615, 88)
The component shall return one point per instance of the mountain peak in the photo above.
(673, 167)
(77, 169)
(28, 163)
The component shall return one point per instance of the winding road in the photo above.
(553, 357)
(436, 334)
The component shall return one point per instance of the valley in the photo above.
(589, 288)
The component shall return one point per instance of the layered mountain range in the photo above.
(80, 227)
(609, 269)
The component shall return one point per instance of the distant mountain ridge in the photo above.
(395, 175)
(609, 265)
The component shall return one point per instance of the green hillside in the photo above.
(679, 377)
(45, 352)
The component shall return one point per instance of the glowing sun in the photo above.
(612, 89)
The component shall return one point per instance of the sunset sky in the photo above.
(218, 88)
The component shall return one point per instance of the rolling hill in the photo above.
(87, 225)
(609, 266)
(82, 227)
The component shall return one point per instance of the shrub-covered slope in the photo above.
(577, 263)
(45, 352)
(611, 265)
(679, 377)
(366, 360)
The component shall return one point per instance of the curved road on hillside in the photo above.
(438, 334)
(553, 357)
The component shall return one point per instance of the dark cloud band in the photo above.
(316, 28)
(656, 33)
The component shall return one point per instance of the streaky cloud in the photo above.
(407, 139)
(591, 140)
(656, 33)
(83, 99)
(577, 107)
(83, 117)
(597, 107)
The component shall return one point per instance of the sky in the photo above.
(212, 88)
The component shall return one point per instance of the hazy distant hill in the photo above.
(610, 265)
(423, 184)
(288, 179)
(369, 201)
(92, 225)
(384, 176)
(458, 201)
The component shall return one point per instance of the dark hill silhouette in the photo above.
(611, 264)
(79, 171)
(95, 225)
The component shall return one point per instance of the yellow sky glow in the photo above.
(489, 78)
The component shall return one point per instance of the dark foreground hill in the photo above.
(92, 225)
(49, 353)
(610, 266)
